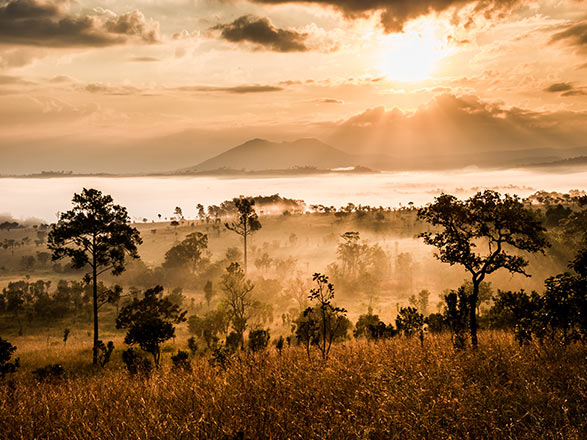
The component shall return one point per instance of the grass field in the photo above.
(385, 390)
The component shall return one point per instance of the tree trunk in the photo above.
(95, 310)
(245, 241)
(473, 312)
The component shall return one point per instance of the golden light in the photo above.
(412, 55)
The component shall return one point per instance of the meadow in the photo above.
(366, 390)
(412, 381)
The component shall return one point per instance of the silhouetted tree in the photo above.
(187, 253)
(498, 223)
(94, 233)
(6, 352)
(246, 223)
(237, 289)
(329, 320)
(409, 321)
(150, 321)
(209, 292)
(258, 340)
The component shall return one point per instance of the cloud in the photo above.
(457, 124)
(573, 35)
(144, 59)
(261, 33)
(559, 87)
(575, 92)
(107, 89)
(243, 89)
(328, 101)
(8, 79)
(568, 89)
(50, 24)
(396, 13)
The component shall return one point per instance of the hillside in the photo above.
(261, 154)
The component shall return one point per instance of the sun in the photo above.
(412, 55)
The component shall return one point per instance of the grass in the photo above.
(386, 390)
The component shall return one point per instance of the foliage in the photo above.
(324, 323)
(497, 223)
(456, 314)
(181, 361)
(6, 352)
(246, 222)
(150, 321)
(258, 340)
(192, 345)
(364, 324)
(409, 322)
(237, 298)
(136, 364)
(209, 326)
(95, 233)
(188, 253)
(49, 373)
(104, 352)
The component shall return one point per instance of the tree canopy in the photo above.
(481, 234)
(97, 234)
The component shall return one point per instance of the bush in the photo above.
(181, 361)
(104, 352)
(136, 363)
(6, 352)
(49, 373)
(258, 340)
(192, 345)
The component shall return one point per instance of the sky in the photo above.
(152, 85)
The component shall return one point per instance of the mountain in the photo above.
(261, 154)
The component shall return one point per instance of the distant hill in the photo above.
(580, 161)
(261, 154)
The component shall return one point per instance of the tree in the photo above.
(97, 234)
(237, 289)
(6, 351)
(409, 321)
(247, 221)
(326, 322)
(150, 321)
(258, 340)
(351, 251)
(188, 253)
(209, 292)
(487, 220)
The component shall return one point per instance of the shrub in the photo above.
(49, 373)
(181, 361)
(136, 363)
(258, 340)
(104, 352)
(6, 352)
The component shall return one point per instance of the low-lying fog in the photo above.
(146, 197)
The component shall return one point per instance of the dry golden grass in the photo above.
(393, 389)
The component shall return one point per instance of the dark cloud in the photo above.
(328, 101)
(559, 87)
(50, 24)
(262, 33)
(575, 92)
(574, 35)
(144, 59)
(568, 89)
(255, 88)
(396, 13)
